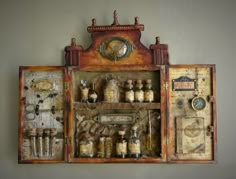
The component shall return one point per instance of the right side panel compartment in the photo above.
(191, 113)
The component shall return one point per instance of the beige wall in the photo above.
(197, 31)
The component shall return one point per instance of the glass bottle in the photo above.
(138, 93)
(53, 133)
(101, 147)
(134, 146)
(121, 145)
(111, 91)
(46, 142)
(108, 147)
(92, 95)
(129, 93)
(84, 90)
(32, 135)
(86, 145)
(148, 92)
(40, 142)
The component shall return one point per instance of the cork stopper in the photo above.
(53, 132)
(121, 132)
(46, 132)
(40, 131)
(148, 81)
(129, 81)
(32, 132)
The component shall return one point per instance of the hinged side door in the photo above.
(42, 117)
(191, 115)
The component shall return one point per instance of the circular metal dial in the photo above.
(198, 103)
(115, 48)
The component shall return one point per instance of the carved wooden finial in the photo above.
(73, 42)
(115, 17)
(136, 20)
(93, 22)
(157, 40)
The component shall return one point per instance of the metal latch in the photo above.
(210, 129)
(211, 99)
(166, 85)
(67, 140)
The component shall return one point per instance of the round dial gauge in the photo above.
(115, 48)
(198, 103)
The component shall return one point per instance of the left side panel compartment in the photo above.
(41, 115)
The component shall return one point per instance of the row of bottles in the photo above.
(123, 147)
(42, 141)
(134, 92)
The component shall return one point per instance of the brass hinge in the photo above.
(67, 140)
(67, 85)
(166, 85)
(163, 68)
(210, 130)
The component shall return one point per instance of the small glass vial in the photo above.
(129, 93)
(138, 93)
(32, 135)
(40, 142)
(148, 92)
(111, 91)
(46, 142)
(53, 133)
(121, 145)
(86, 145)
(134, 146)
(84, 90)
(101, 147)
(108, 147)
(92, 96)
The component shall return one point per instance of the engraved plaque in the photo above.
(184, 83)
(117, 118)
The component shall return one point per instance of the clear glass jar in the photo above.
(111, 91)
(134, 145)
(86, 145)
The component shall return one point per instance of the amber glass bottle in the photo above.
(121, 145)
(92, 96)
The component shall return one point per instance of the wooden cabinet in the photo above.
(117, 89)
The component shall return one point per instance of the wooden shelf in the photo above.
(116, 160)
(103, 105)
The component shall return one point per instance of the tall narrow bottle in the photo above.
(92, 96)
(121, 145)
(148, 92)
(134, 145)
(138, 93)
(32, 135)
(84, 90)
(129, 93)
(40, 142)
